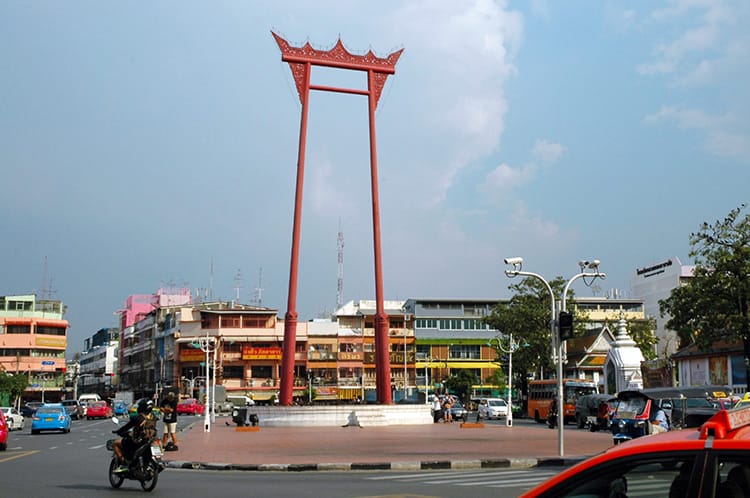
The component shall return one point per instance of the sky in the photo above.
(146, 145)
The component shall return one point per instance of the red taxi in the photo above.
(190, 406)
(712, 461)
(3, 432)
(98, 409)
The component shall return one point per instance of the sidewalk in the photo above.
(405, 447)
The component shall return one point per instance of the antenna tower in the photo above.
(237, 284)
(258, 299)
(340, 270)
(43, 294)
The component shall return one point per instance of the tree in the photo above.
(527, 315)
(13, 384)
(460, 383)
(713, 304)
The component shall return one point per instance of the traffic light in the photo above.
(565, 325)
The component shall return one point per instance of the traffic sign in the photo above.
(48, 363)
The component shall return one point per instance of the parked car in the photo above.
(3, 432)
(706, 463)
(13, 419)
(190, 406)
(119, 407)
(50, 417)
(28, 409)
(74, 408)
(490, 408)
(458, 411)
(98, 409)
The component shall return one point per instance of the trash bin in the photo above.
(242, 417)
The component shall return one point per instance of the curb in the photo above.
(396, 466)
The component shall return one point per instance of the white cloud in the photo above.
(547, 151)
(459, 56)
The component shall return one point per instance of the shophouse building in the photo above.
(98, 363)
(33, 339)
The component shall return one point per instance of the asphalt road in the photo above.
(76, 464)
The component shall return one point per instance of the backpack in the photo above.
(146, 430)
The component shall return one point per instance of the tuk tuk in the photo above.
(632, 416)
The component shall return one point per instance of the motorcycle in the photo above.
(145, 464)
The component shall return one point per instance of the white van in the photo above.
(88, 398)
(239, 401)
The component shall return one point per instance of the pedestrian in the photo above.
(448, 403)
(437, 409)
(552, 415)
(659, 422)
(169, 409)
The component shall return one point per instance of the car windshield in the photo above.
(496, 402)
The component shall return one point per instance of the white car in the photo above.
(490, 408)
(14, 419)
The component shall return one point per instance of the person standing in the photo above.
(447, 405)
(437, 409)
(169, 409)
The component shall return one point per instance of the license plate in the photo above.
(156, 451)
(48, 420)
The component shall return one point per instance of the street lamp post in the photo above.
(208, 345)
(406, 375)
(557, 344)
(512, 348)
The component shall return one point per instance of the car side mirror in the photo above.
(115, 420)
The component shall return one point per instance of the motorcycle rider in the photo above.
(552, 416)
(143, 427)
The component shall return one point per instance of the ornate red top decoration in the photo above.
(300, 58)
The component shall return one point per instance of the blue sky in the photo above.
(142, 142)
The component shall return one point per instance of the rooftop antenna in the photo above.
(258, 299)
(43, 293)
(340, 270)
(211, 281)
(237, 285)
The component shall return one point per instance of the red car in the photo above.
(713, 462)
(190, 406)
(98, 409)
(3, 432)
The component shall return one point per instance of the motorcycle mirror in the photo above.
(115, 420)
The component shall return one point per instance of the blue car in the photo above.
(50, 417)
(119, 407)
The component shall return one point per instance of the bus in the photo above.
(542, 391)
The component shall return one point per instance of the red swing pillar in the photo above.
(300, 60)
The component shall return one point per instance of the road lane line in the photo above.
(22, 454)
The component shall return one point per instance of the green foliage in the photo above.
(13, 384)
(460, 383)
(713, 305)
(527, 316)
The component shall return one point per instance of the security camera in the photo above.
(584, 263)
(594, 264)
(513, 261)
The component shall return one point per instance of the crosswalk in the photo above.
(519, 479)
(510, 478)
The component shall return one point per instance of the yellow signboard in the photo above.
(50, 341)
(251, 353)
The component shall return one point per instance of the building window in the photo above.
(464, 352)
(233, 372)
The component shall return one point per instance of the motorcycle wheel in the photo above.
(115, 480)
(151, 470)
